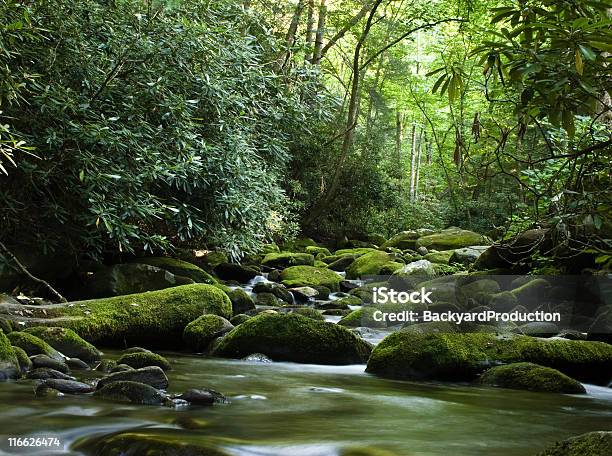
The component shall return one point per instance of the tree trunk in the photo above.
(351, 121)
(310, 31)
(318, 48)
(412, 161)
(418, 164)
(290, 37)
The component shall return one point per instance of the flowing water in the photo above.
(312, 410)
(280, 409)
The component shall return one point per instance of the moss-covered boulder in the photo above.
(152, 375)
(66, 342)
(33, 345)
(362, 317)
(25, 363)
(9, 364)
(371, 264)
(451, 239)
(292, 337)
(202, 331)
(318, 252)
(442, 257)
(597, 443)
(406, 240)
(144, 359)
(532, 377)
(238, 272)
(463, 356)
(309, 276)
(286, 259)
(133, 392)
(241, 301)
(309, 312)
(180, 268)
(342, 262)
(155, 318)
(298, 245)
(268, 300)
(358, 251)
(152, 443)
(124, 279)
(532, 291)
(467, 255)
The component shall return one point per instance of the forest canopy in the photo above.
(135, 125)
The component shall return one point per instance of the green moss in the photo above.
(319, 264)
(180, 268)
(267, 299)
(348, 301)
(202, 331)
(155, 318)
(439, 257)
(157, 443)
(9, 364)
(529, 376)
(462, 356)
(239, 319)
(590, 444)
(356, 252)
(25, 363)
(452, 238)
(33, 345)
(362, 317)
(318, 252)
(298, 245)
(144, 359)
(531, 290)
(309, 276)
(292, 337)
(269, 248)
(241, 301)
(309, 313)
(403, 241)
(369, 264)
(286, 259)
(214, 258)
(66, 342)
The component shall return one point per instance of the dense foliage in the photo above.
(134, 124)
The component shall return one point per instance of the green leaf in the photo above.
(587, 52)
(568, 123)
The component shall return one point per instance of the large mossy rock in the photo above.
(597, 443)
(155, 318)
(451, 239)
(9, 365)
(310, 276)
(238, 272)
(292, 337)
(241, 301)
(372, 263)
(531, 377)
(286, 259)
(467, 255)
(33, 345)
(133, 392)
(124, 279)
(463, 356)
(442, 257)
(406, 240)
(144, 443)
(202, 331)
(66, 342)
(179, 268)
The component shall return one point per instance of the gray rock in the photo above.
(45, 361)
(152, 375)
(78, 364)
(202, 397)
(467, 255)
(133, 392)
(68, 386)
(44, 373)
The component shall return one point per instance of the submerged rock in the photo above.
(139, 443)
(292, 337)
(532, 377)
(202, 331)
(203, 397)
(155, 318)
(463, 356)
(67, 342)
(590, 444)
(144, 359)
(150, 375)
(67, 386)
(134, 392)
(310, 276)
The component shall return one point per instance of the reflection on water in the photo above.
(312, 410)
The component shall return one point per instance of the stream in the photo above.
(293, 409)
